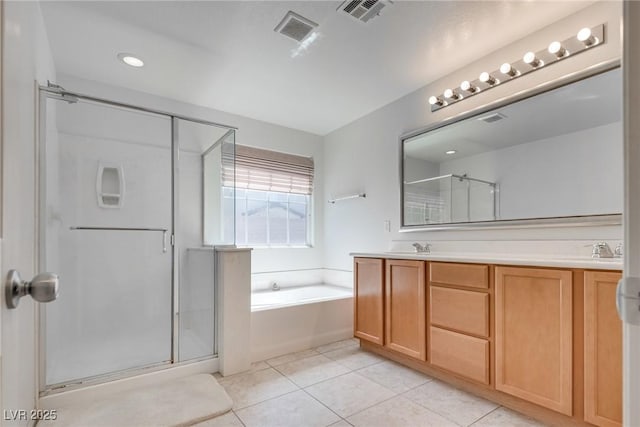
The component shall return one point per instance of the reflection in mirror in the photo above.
(557, 154)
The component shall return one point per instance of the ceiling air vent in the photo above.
(295, 26)
(363, 10)
(493, 117)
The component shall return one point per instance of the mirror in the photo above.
(554, 155)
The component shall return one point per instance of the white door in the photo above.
(24, 59)
(631, 337)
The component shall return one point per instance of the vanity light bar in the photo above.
(586, 38)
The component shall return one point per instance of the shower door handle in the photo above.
(163, 230)
(164, 241)
(42, 288)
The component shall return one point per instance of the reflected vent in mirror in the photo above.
(110, 186)
(493, 117)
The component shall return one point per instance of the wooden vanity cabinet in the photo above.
(534, 335)
(368, 295)
(405, 307)
(531, 337)
(602, 350)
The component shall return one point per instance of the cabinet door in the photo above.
(369, 299)
(405, 304)
(534, 336)
(602, 350)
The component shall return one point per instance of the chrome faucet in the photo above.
(426, 249)
(617, 252)
(601, 250)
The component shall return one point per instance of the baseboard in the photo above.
(300, 344)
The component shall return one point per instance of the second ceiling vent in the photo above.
(363, 10)
(295, 26)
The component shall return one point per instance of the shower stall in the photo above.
(450, 199)
(130, 210)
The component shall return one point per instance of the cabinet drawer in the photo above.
(470, 275)
(464, 311)
(461, 354)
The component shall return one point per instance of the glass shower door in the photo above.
(106, 226)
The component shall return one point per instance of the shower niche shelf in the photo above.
(110, 186)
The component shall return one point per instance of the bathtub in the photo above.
(294, 295)
(297, 318)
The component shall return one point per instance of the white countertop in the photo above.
(503, 259)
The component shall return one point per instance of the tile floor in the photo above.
(340, 385)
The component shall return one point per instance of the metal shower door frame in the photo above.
(55, 92)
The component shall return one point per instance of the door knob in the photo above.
(43, 288)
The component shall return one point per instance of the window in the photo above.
(272, 198)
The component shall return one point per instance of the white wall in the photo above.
(578, 173)
(364, 155)
(25, 58)
(250, 132)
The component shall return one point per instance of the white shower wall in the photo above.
(138, 142)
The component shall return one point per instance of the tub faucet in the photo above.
(426, 249)
(601, 250)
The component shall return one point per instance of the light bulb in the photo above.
(487, 78)
(508, 70)
(434, 100)
(585, 36)
(466, 86)
(556, 48)
(531, 59)
(450, 152)
(450, 94)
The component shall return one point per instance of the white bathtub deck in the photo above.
(294, 295)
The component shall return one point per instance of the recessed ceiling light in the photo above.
(450, 152)
(131, 60)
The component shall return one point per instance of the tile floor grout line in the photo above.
(375, 404)
(354, 370)
(491, 411)
(325, 380)
(238, 417)
(266, 400)
(294, 360)
(456, 388)
(427, 408)
(485, 415)
(429, 379)
(274, 397)
(322, 403)
(286, 376)
(301, 387)
(337, 348)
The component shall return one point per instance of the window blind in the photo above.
(266, 170)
